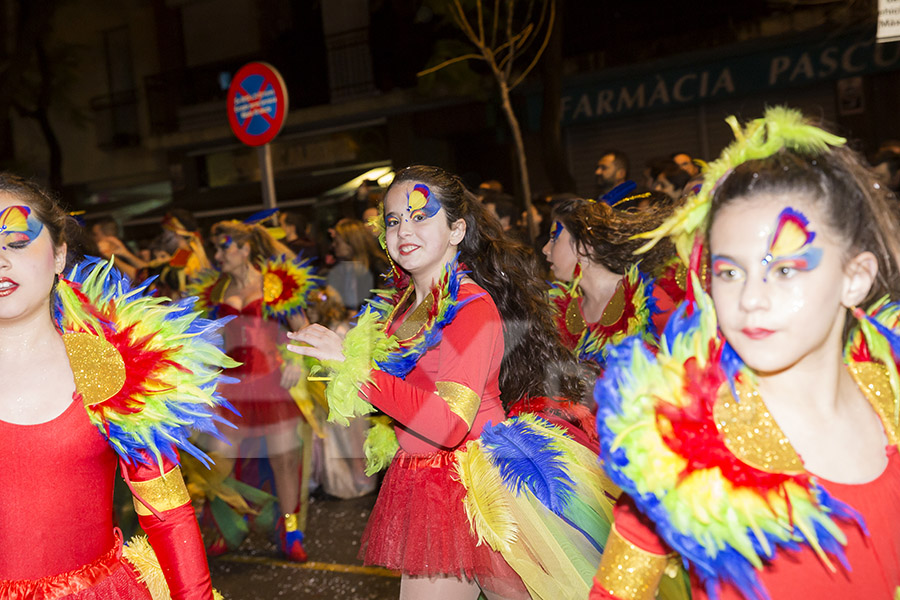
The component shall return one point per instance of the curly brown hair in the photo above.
(605, 235)
(534, 361)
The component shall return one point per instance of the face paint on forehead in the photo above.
(791, 242)
(556, 231)
(420, 201)
(17, 224)
(224, 242)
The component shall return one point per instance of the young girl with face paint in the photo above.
(604, 293)
(264, 288)
(465, 332)
(761, 441)
(94, 376)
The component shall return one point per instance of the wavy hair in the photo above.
(605, 235)
(534, 361)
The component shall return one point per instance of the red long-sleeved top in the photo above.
(469, 354)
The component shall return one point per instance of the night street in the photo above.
(333, 572)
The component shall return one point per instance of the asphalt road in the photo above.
(256, 572)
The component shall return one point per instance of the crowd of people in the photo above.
(681, 387)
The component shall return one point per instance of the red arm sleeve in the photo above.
(175, 540)
(445, 416)
(634, 558)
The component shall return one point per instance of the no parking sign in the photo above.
(257, 103)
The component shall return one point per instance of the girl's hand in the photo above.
(291, 375)
(320, 343)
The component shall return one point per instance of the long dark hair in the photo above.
(605, 235)
(534, 362)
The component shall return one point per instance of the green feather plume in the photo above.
(381, 444)
(781, 127)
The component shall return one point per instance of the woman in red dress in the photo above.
(466, 331)
(760, 442)
(84, 392)
(263, 287)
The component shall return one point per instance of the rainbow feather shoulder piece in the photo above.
(287, 285)
(368, 346)
(207, 290)
(629, 312)
(723, 505)
(147, 371)
(873, 352)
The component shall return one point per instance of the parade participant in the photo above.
(466, 325)
(96, 374)
(603, 292)
(263, 287)
(760, 442)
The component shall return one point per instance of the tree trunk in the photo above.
(520, 154)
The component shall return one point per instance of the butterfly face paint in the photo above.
(421, 204)
(790, 246)
(18, 227)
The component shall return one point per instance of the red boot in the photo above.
(292, 538)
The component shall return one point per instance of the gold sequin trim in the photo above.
(872, 378)
(291, 522)
(751, 433)
(416, 319)
(97, 366)
(574, 320)
(629, 572)
(163, 493)
(272, 287)
(615, 308)
(463, 401)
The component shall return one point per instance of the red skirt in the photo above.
(260, 399)
(419, 527)
(109, 577)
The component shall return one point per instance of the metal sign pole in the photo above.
(266, 177)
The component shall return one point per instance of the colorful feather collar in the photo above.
(627, 313)
(147, 371)
(368, 345)
(674, 435)
(287, 285)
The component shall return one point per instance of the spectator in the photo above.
(671, 180)
(612, 170)
(686, 162)
(887, 165)
(359, 262)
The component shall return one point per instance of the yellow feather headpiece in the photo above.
(780, 127)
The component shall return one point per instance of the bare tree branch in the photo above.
(449, 62)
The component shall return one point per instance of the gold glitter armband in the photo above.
(628, 572)
(163, 493)
(463, 401)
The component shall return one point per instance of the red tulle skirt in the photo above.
(109, 577)
(260, 399)
(419, 527)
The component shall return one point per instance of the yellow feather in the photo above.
(486, 502)
(141, 556)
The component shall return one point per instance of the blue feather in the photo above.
(527, 459)
(260, 216)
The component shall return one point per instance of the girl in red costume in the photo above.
(466, 330)
(760, 442)
(262, 286)
(88, 368)
(605, 293)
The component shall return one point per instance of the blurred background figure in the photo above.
(612, 170)
(359, 262)
(686, 162)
